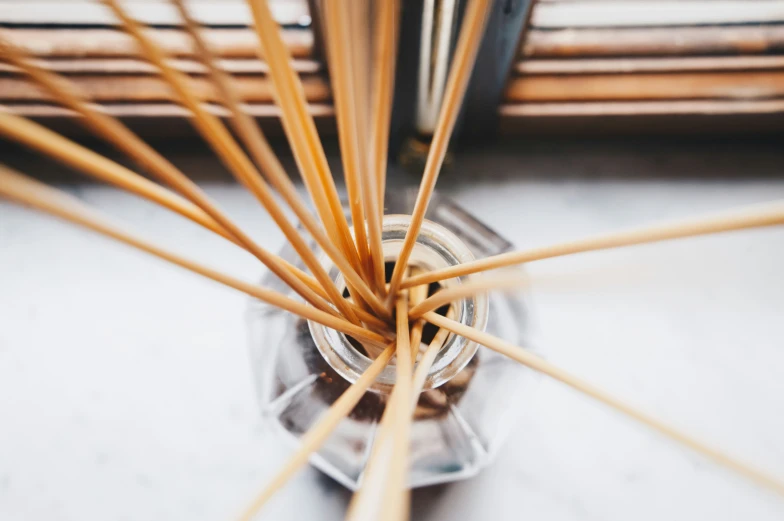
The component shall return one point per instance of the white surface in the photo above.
(125, 392)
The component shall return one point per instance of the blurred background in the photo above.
(125, 389)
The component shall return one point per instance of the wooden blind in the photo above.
(604, 65)
(584, 66)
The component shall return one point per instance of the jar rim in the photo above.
(435, 247)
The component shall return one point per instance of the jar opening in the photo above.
(436, 247)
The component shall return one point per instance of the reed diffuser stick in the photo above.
(383, 493)
(463, 62)
(312, 440)
(539, 364)
(416, 296)
(50, 143)
(342, 76)
(468, 289)
(752, 216)
(85, 160)
(383, 82)
(24, 190)
(117, 134)
(301, 130)
(216, 134)
(426, 362)
(247, 129)
(396, 502)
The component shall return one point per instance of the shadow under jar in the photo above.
(471, 397)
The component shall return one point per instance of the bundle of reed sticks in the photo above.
(379, 313)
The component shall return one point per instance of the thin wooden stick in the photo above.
(426, 362)
(110, 129)
(251, 135)
(263, 154)
(315, 437)
(216, 134)
(384, 54)
(44, 140)
(417, 295)
(753, 216)
(40, 138)
(468, 289)
(457, 82)
(338, 27)
(26, 191)
(534, 362)
(383, 493)
(301, 130)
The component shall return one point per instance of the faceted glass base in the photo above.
(457, 426)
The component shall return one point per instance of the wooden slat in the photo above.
(700, 119)
(241, 43)
(653, 41)
(88, 12)
(640, 108)
(587, 13)
(733, 85)
(647, 13)
(155, 110)
(634, 65)
(112, 43)
(107, 66)
(143, 89)
(165, 121)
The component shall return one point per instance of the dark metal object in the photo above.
(500, 46)
(479, 119)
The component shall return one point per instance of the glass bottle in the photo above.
(472, 395)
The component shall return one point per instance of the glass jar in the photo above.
(471, 397)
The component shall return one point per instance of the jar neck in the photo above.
(435, 248)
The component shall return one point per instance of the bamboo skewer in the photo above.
(312, 440)
(384, 55)
(461, 291)
(301, 130)
(265, 158)
(753, 216)
(534, 362)
(215, 133)
(26, 191)
(457, 82)
(344, 91)
(126, 141)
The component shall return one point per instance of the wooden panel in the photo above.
(132, 66)
(88, 12)
(164, 121)
(635, 108)
(146, 110)
(645, 13)
(586, 13)
(634, 65)
(734, 85)
(111, 43)
(653, 41)
(142, 88)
